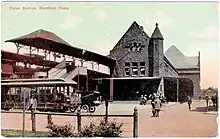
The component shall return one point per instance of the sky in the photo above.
(98, 26)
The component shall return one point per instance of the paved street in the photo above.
(174, 121)
(178, 121)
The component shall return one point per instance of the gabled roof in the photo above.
(179, 60)
(134, 25)
(157, 34)
(169, 63)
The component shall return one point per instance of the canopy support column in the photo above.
(177, 90)
(18, 47)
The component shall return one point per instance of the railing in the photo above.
(78, 116)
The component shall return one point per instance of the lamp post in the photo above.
(177, 91)
(83, 52)
(23, 114)
(78, 77)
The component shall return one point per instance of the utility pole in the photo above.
(23, 115)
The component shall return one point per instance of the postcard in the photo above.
(109, 69)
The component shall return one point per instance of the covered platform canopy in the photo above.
(24, 58)
(42, 39)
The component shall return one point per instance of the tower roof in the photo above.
(157, 34)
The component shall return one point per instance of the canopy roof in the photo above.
(46, 40)
(37, 84)
(24, 58)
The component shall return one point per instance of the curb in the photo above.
(211, 113)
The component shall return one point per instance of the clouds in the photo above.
(163, 19)
(205, 40)
(208, 32)
(71, 21)
(100, 14)
(209, 76)
(103, 48)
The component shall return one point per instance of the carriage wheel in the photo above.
(85, 107)
(73, 110)
(92, 109)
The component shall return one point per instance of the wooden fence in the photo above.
(79, 115)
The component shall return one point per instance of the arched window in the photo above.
(156, 47)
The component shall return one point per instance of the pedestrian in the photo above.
(152, 97)
(158, 105)
(31, 102)
(189, 100)
(207, 101)
(34, 106)
(153, 108)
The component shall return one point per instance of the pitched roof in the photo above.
(43, 34)
(179, 60)
(134, 25)
(157, 34)
(43, 39)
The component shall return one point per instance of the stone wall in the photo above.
(158, 57)
(196, 83)
(169, 71)
(132, 47)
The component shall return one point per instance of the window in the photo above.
(142, 68)
(133, 48)
(142, 64)
(142, 71)
(139, 44)
(156, 47)
(134, 68)
(127, 64)
(135, 44)
(127, 69)
(134, 71)
(134, 64)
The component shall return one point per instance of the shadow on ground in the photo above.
(204, 109)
